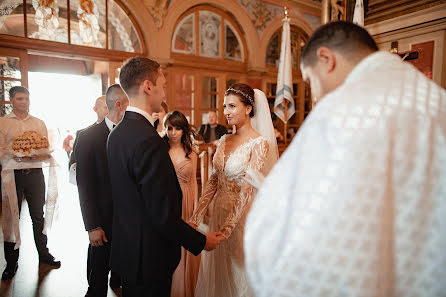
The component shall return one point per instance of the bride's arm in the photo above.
(257, 162)
(206, 198)
(208, 193)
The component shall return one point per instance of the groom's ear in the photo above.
(147, 86)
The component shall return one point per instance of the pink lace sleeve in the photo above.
(206, 198)
(208, 193)
(257, 162)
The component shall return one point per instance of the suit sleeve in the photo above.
(161, 195)
(86, 181)
(73, 156)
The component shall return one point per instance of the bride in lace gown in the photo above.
(222, 272)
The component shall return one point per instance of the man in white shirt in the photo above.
(357, 204)
(30, 182)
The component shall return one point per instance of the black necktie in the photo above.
(114, 126)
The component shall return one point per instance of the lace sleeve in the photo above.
(257, 162)
(206, 198)
(208, 193)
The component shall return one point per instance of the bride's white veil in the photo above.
(262, 123)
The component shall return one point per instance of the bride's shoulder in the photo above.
(222, 140)
(256, 137)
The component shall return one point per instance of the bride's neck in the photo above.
(244, 129)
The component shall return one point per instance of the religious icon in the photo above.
(338, 10)
(209, 36)
(46, 18)
(88, 23)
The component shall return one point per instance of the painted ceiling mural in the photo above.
(260, 12)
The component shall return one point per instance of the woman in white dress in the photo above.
(253, 146)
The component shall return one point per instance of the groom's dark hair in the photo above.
(136, 70)
(346, 38)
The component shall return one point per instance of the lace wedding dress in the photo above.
(222, 271)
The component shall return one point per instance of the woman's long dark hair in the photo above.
(178, 120)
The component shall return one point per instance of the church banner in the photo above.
(284, 103)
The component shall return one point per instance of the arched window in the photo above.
(208, 55)
(298, 39)
(93, 23)
(208, 33)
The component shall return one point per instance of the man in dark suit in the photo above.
(100, 108)
(212, 131)
(147, 200)
(95, 196)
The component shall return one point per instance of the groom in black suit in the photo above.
(95, 195)
(147, 199)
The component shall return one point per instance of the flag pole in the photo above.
(285, 123)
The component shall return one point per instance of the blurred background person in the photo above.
(100, 108)
(212, 131)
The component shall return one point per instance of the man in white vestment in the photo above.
(356, 205)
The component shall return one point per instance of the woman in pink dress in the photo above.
(184, 159)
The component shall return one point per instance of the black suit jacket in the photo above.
(205, 131)
(147, 199)
(93, 180)
(73, 155)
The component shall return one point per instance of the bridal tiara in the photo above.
(240, 93)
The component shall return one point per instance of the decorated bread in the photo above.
(29, 141)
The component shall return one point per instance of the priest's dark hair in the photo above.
(346, 38)
(136, 70)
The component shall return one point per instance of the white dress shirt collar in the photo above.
(109, 123)
(141, 112)
(13, 115)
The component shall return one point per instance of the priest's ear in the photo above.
(326, 58)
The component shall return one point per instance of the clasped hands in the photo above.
(212, 239)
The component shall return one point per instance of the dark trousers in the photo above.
(30, 184)
(98, 267)
(156, 288)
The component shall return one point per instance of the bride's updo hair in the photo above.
(245, 94)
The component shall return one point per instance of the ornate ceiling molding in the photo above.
(158, 9)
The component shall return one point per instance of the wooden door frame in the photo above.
(23, 56)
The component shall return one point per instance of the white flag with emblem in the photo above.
(284, 91)
(358, 15)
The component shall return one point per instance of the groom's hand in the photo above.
(212, 240)
(97, 237)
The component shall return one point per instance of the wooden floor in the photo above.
(68, 241)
